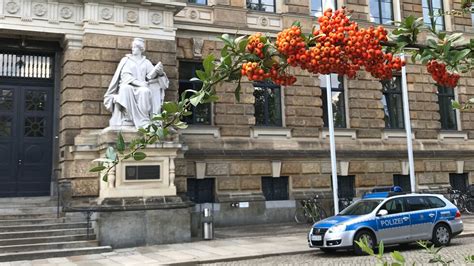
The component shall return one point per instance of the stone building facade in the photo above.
(254, 157)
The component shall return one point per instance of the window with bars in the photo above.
(402, 181)
(319, 6)
(267, 104)
(201, 114)
(381, 11)
(198, 2)
(16, 65)
(338, 100)
(262, 5)
(275, 188)
(459, 181)
(446, 112)
(431, 11)
(393, 103)
(200, 190)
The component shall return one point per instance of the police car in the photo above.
(391, 217)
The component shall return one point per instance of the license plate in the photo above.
(316, 238)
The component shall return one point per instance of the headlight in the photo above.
(337, 228)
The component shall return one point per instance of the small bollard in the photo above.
(207, 228)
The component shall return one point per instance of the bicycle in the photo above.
(344, 203)
(309, 211)
(462, 201)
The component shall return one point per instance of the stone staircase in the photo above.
(30, 229)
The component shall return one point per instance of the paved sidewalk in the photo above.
(231, 243)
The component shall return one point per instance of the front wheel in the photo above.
(470, 206)
(300, 216)
(364, 234)
(441, 235)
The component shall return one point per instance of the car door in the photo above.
(422, 217)
(395, 226)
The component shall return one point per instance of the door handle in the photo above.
(431, 215)
(405, 218)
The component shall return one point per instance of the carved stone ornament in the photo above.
(12, 7)
(156, 18)
(197, 46)
(193, 14)
(106, 13)
(66, 12)
(132, 16)
(264, 21)
(39, 10)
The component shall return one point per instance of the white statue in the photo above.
(136, 91)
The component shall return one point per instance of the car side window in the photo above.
(435, 202)
(417, 203)
(394, 206)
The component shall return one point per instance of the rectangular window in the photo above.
(142, 172)
(201, 114)
(262, 5)
(198, 2)
(446, 111)
(346, 186)
(402, 181)
(267, 104)
(275, 188)
(381, 11)
(319, 6)
(200, 190)
(338, 100)
(459, 181)
(431, 11)
(392, 103)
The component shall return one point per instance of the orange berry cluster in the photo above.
(255, 45)
(291, 43)
(441, 75)
(255, 72)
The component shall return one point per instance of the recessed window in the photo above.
(431, 13)
(267, 104)
(200, 190)
(417, 203)
(275, 188)
(381, 11)
(198, 2)
(393, 103)
(142, 172)
(201, 114)
(262, 5)
(338, 101)
(402, 181)
(446, 111)
(459, 181)
(319, 6)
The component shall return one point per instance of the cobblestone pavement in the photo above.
(459, 248)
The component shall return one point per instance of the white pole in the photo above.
(406, 115)
(332, 144)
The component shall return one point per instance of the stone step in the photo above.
(27, 210)
(42, 254)
(5, 217)
(14, 222)
(44, 233)
(48, 246)
(46, 239)
(26, 200)
(39, 227)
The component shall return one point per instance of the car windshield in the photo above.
(361, 207)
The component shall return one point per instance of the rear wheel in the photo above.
(371, 241)
(441, 235)
(300, 216)
(470, 206)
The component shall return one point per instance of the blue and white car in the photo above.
(390, 217)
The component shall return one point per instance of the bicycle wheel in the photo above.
(470, 206)
(300, 216)
(322, 212)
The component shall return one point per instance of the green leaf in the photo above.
(455, 105)
(243, 45)
(170, 107)
(111, 154)
(105, 177)
(397, 256)
(296, 23)
(208, 64)
(224, 51)
(138, 156)
(237, 92)
(227, 60)
(181, 125)
(201, 74)
(97, 169)
(120, 143)
(461, 55)
(227, 39)
(381, 249)
(210, 98)
(196, 99)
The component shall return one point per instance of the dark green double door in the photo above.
(26, 117)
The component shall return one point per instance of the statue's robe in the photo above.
(133, 105)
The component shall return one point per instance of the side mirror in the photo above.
(382, 212)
